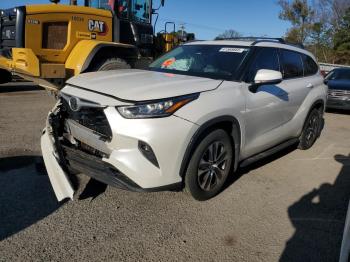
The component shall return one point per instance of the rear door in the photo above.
(294, 83)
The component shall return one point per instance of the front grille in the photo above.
(333, 93)
(55, 35)
(11, 30)
(92, 118)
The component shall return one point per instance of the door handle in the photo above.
(310, 86)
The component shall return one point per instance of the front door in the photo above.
(266, 107)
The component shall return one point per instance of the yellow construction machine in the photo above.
(50, 43)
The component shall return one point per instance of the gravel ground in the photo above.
(290, 207)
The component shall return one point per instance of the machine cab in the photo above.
(132, 22)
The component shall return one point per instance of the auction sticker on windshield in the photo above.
(232, 50)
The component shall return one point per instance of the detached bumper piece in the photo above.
(58, 178)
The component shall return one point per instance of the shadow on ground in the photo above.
(26, 195)
(319, 218)
(93, 189)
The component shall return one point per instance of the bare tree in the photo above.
(332, 11)
(229, 34)
(300, 14)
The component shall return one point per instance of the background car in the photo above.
(338, 81)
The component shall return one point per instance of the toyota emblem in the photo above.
(74, 104)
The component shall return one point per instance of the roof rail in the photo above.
(263, 39)
(297, 45)
(253, 38)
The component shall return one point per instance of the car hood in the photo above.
(141, 85)
(339, 84)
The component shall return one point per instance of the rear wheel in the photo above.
(112, 63)
(209, 165)
(312, 129)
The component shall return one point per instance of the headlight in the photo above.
(159, 108)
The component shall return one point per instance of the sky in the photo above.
(209, 18)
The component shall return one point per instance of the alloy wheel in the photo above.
(212, 166)
(312, 129)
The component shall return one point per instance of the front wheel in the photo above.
(311, 130)
(209, 165)
(112, 63)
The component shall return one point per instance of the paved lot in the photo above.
(290, 207)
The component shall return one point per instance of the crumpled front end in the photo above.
(72, 143)
(91, 138)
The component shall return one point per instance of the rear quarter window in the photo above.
(292, 64)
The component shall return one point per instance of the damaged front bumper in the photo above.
(63, 161)
(59, 180)
(71, 146)
(98, 142)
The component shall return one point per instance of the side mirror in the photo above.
(325, 81)
(266, 77)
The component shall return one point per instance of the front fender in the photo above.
(83, 53)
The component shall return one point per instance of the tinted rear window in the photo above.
(310, 67)
(292, 64)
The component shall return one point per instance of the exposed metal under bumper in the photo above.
(102, 171)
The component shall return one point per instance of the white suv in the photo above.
(189, 121)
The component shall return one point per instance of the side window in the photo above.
(310, 67)
(140, 10)
(330, 75)
(292, 64)
(266, 58)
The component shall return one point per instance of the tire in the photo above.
(311, 130)
(112, 63)
(206, 173)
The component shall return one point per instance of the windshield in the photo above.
(343, 74)
(212, 61)
(141, 10)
